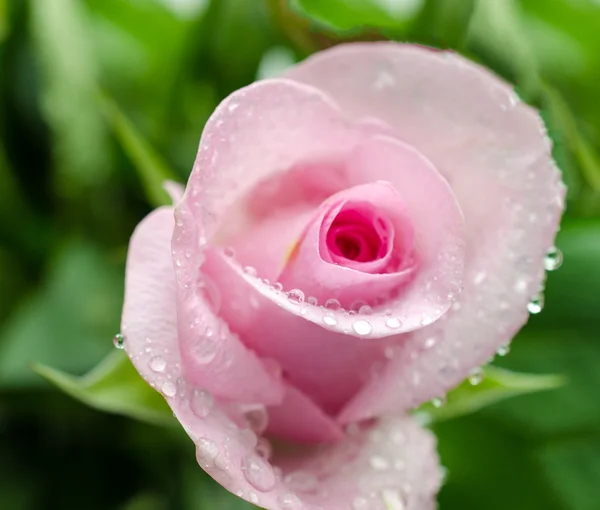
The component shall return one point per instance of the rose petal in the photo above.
(307, 270)
(150, 324)
(299, 419)
(494, 152)
(326, 365)
(227, 452)
(391, 466)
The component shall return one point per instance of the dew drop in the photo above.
(438, 402)
(426, 320)
(429, 342)
(311, 300)
(365, 310)
(254, 499)
(249, 270)
(201, 403)
(332, 304)
(206, 451)
(289, 502)
(119, 341)
(393, 323)
(229, 252)
(329, 319)
(205, 351)
(536, 304)
(295, 296)
(379, 463)
(169, 389)
(476, 376)
(277, 286)
(158, 364)
(301, 481)
(553, 259)
(258, 473)
(362, 327)
(257, 419)
(503, 350)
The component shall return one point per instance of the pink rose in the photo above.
(353, 240)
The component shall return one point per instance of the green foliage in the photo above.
(353, 14)
(152, 171)
(492, 385)
(113, 386)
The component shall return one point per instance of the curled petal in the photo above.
(493, 151)
(149, 323)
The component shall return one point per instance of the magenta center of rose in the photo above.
(358, 234)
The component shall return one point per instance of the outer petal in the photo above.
(328, 366)
(407, 467)
(495, 154)
(150, 322)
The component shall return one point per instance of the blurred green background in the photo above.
(101, 99)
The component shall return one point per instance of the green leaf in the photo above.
(343, 15)
(496, 29)
(443, 22)
(69, 74)
(151, 169)
(114, 386)
(69, 322)
(572, 408)
(496, 384)
(4, 27)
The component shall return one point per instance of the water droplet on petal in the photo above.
(205, 350)
(249, 270)
(393, 323)
(332, 304)
(201, 403)
(169, 389)
(119, 341)
(362, 327)
(438, 402)
(278, 286)
(365, 310)
(229, 252)
(329, 319)
(426, 320)
(258, 473)
(311, 300)
(379, 463)
(289, 502)
(295, 296)
(158, 364)
(553, 259)
(206, 451)
(503, 350)
(301, 481)
(536, 304)
(476, 376)
(254, 499)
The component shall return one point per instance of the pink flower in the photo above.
(353, 240)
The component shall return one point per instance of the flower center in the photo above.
(358, 233)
